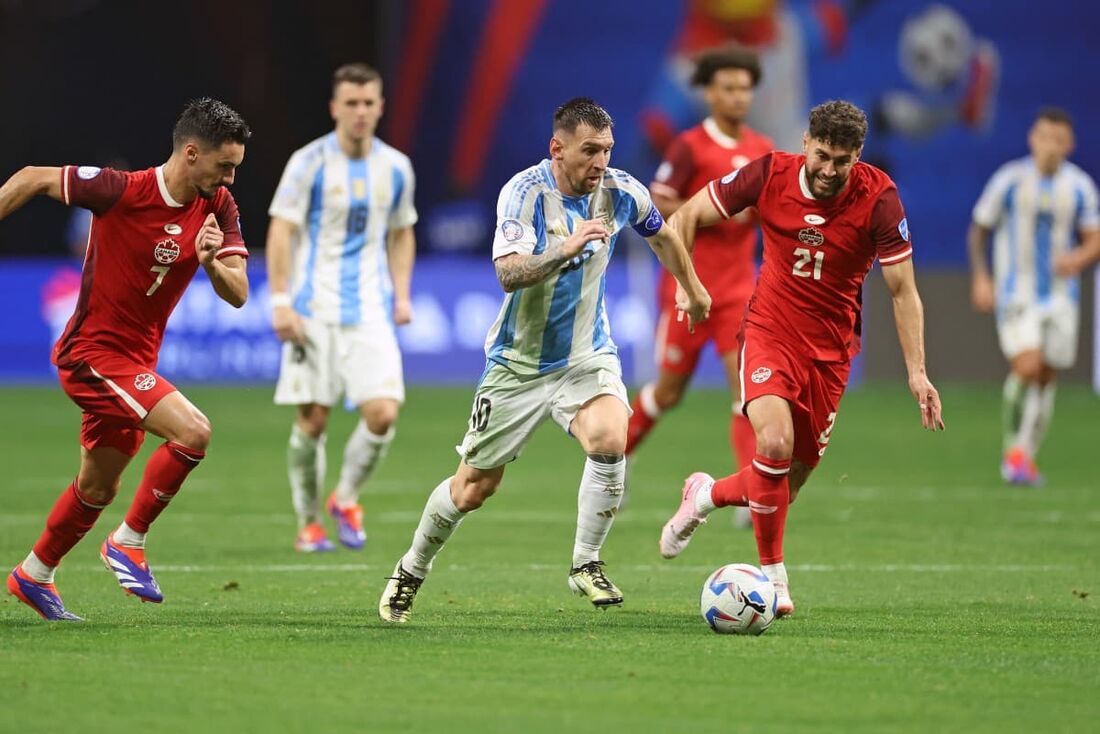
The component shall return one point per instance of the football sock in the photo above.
(731, 490)
(646, 413)
(769, 498)
(1011, 410)
(1046, 412)
(597, 502)
(742, 437)
(165, 471)
(775, 571)
(437, 523)
(364, 451)
(128, 537)
(1037, 412)
(71, 517)
(305, 458)
(37, 570)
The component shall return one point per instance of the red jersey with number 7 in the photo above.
(817, 252)
(140, 259)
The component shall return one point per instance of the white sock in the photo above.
(437, 523)
(38, 570)
(364, 451)
(648, 401)
(128, 537)
(777, 572)
(1030, 420)
(704, 502)
(1046, 412)
(305, 457)
(597, 502)
(1011, 410)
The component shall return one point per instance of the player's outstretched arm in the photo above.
(228, 274)
(909, 317)
(699, 211)
(692, 297)
(981, 284)
(27, 183)
(516, 270)
(401, 254)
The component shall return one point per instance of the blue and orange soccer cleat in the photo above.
(42, 598)
(312, 539)
(349, 523)
(132, 571)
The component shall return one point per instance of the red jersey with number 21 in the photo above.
(141, 257)
(816, 251)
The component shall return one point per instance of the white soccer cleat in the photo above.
(677, 532)
(783, 604)
(396, 603)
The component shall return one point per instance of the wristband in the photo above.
(280, 300)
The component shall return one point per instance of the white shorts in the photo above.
(362, 362)
(509, 407)
(1051, 328)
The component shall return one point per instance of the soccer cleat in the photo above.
(349, 523)
(42, 598)
(1020, 469)
(783, 604)
(589, 580)
(677, 532)
(397, 598)
(131, 569)
(312, 539)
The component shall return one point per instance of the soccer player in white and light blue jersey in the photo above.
(550, 353)
(344, 211)
(1042, 212)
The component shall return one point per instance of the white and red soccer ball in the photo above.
(738, 599)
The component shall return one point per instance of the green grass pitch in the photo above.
(930, 597)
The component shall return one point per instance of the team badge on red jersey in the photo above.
(811, 236)
(145, 381)
(166, 252)
(761, 374)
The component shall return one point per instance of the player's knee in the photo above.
(470, 493)
(606, 440)
(775, 443)
(96, 489)
(1029, 367)
(668, 397)
(196, 433)
(380, 419)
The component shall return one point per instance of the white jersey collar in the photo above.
(710, 126)
(163, 187)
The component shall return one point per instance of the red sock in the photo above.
(71, 517)
(732, 490)
(164, 474)
(769, 497)
(742, 439)
(641, 422)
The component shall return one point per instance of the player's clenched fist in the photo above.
(209, 240)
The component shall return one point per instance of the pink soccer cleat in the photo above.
(677, 532)
(783, 604)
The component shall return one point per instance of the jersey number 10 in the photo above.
(804, 257)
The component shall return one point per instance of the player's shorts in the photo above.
(116, 394)
(362, 362)
(678, 349)
(770, 366)
(509, 407)
(1050, 328)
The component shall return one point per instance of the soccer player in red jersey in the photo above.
(151, 230)
(826, 217)
(723, 254)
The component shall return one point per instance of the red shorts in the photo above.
(678, 349)
(115, 394)
(770, 366)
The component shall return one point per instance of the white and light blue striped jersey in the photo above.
(561, 320)
(1035, 219)
(344, 208)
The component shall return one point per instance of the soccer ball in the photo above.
(738, 599)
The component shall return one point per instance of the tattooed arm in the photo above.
(516, 270)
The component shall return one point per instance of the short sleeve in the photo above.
(229, 221)
(991, 204)
(95, 189)
(643, 217)
(890, 229)
(292, 197)
(403, 213)
(515, 230)
(1088, 217)
(739, 189)
(675, 172)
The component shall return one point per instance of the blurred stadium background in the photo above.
(470, 85)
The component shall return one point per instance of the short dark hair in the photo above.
(211, 123)
(839, 123)
(357, 73)
(1057, 115)
(581, 110)
(730, 56)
